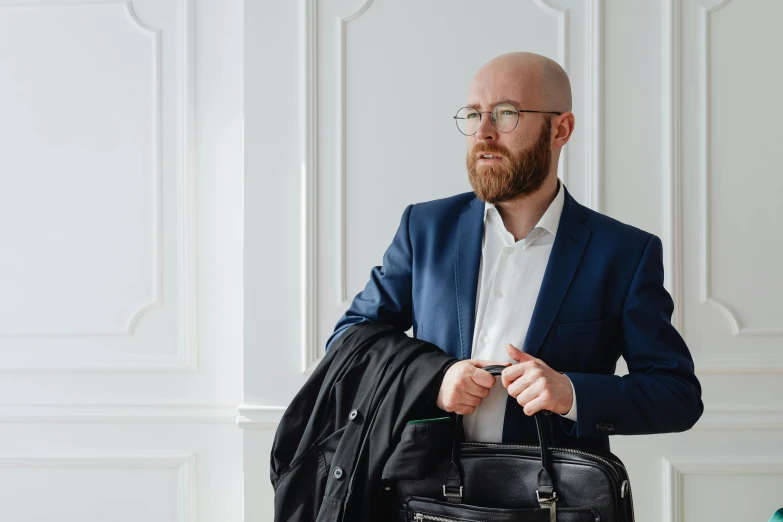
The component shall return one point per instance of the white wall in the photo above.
(121, 266)
(143, 148)
(677, 107)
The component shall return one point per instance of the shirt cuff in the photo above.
(571, 415)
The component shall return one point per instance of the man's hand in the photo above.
(535, 385)
(465, 385)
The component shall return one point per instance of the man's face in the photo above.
(520, 170)
(525, 152)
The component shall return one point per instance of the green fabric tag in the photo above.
(420, 421)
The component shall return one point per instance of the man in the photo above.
(517, 271)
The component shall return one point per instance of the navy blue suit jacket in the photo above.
(602, 297)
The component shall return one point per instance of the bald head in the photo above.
(537, 82)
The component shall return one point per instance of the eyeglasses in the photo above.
(504, 117)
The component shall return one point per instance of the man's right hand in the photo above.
(465, 385)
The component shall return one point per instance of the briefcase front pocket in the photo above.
(420, 509)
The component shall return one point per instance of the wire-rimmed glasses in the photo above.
(504, 117)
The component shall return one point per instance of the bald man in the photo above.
(518, 273)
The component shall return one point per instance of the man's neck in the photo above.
(521, 215)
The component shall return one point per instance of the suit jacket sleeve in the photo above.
(661, 392)
(387, 296)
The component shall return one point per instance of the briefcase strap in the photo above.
(546, 495)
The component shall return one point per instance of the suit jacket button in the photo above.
(337, 473)
(600, 426)
(353, 414)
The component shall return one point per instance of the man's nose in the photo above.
(486, 130)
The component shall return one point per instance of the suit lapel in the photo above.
(467, 256)
(570, 242)
(569, 245)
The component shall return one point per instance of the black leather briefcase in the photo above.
(435, 476)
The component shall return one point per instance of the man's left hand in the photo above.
(535, 385)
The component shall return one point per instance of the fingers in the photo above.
(534, 406)
(517, 354)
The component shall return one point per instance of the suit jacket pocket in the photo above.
(584, 327)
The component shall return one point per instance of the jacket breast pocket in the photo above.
(586, 328)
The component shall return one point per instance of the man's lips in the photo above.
(481, 159)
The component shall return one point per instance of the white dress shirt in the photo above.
(510, 279)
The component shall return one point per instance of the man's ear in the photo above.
(563, 127)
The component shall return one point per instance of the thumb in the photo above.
(517, 354)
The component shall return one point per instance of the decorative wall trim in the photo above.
(342, 230)
(674, 470)
(256, 417)
(185, 360)
(309, 196)
(705, 169)
(184, 463)
(671, 127)
(133, 318)
(594, 110)
(746, 362)
(118, 413)
(740, 418)
(563, 38)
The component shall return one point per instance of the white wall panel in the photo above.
(729, 192)
(692, 485)
(96, 488)
(97, 196)
(121, 260)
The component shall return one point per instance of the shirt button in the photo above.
(337, 473)
(498, 294)
(353, 414)
(486, 338)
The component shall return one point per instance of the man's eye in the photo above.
(473, 115)
(507, 113)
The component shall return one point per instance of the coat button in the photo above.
(337, 473)
(353, 414)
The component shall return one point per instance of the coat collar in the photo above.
(570, 241)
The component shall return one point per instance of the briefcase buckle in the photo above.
(544, 500)
(452, 495)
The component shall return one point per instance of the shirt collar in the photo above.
(551, 218)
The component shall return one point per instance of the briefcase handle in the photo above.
(545, 494)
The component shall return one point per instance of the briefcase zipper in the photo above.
(568, 450)
(422, 517)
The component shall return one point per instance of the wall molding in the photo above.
(309, 197)
(594, 109)
(185, 359)
(257, 417)
(673, 204)
(184, 463)
(674, 470)
(740, 418)
(128, 413)
(154, 34)
(672, 162)
(705, 171)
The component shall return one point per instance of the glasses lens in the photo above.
(505, 116)
(468, 121)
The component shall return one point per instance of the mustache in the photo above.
(489, 149)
